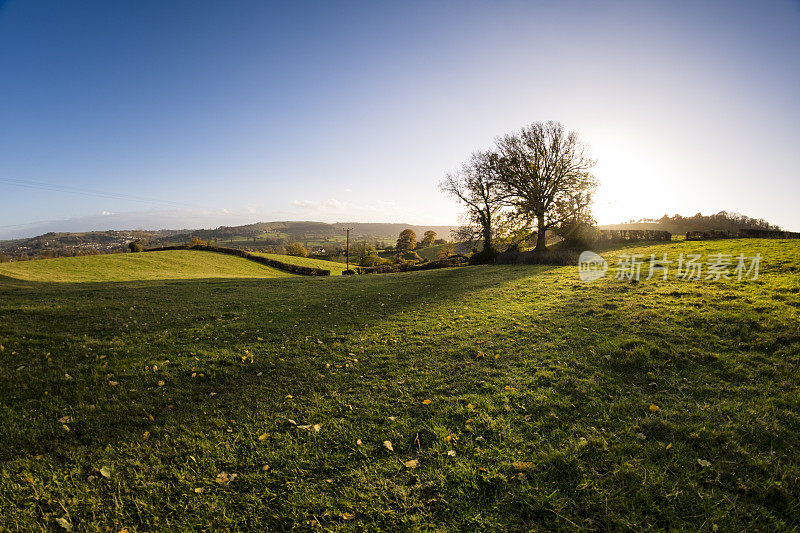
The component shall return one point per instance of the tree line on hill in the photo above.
(724, 221)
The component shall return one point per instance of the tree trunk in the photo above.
(541, 244)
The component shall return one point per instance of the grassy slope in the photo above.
(335, 268)
(431, 253)
(176, 264)
(540, 384)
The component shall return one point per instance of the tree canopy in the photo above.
(407, 240)
(545, 175)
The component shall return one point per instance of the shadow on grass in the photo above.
(72, 339)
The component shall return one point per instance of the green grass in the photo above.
(175, 264)
(431, 253)
(123, 403)
(335, 267)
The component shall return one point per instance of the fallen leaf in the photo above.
(113, 383)
(426, 402)
(451, 453)
(348, 516)
(669, 446)
(223, 478)
(358, 442)
(105, 472)
(160, 382)
(704, 463)
(388, 445)
(413, 463)
(316, 427)
(63, 522)
(653, 408)
(521, 465)
(199, 490)
(263, 436)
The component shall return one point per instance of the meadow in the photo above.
(336, 268)
(173, 264)
(475, 398)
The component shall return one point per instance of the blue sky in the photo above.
(193, 114)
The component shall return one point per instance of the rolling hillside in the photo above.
(500, 398)
(176, 264)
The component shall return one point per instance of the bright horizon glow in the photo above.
(355, 112)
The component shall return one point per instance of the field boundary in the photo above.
(288, 267)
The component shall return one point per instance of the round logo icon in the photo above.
(591, 266)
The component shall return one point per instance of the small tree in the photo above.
(447, 250)
(427, 239)
(476, 186)
(407, 256)
(135, 246)
(296, 249)
(361, 249)
(195, 241)
(407, 240)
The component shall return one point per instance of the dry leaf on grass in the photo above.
(223, 478)
(388, 445)
(413, 463)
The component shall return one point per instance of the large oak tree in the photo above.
(544, 173)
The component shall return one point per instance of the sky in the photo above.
(153, 114)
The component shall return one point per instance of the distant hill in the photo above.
(315, 235)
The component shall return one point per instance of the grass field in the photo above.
(335, 268)
(175, 264)
(514, 398)
(431, 253)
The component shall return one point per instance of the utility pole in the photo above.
(347, 250)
